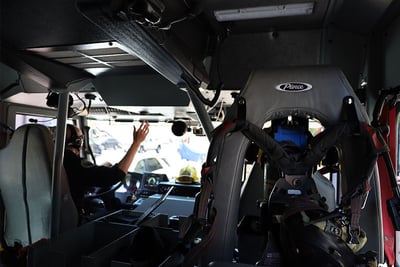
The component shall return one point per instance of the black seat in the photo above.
(272, 94)
(26, 186)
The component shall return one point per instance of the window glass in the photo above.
(161, 152)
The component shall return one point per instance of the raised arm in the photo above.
(139, 136)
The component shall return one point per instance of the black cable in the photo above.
(89, 106)
(196, 90)
(83, 102)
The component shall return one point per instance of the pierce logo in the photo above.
(294, 87)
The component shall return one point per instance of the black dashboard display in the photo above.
(151, 181)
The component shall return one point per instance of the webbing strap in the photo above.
(354, 226)
(357, 196)
(357, 202)
(319, 147)
(199, 222)
(204, 198)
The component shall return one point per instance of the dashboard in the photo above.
(150, 183)
(147, 184)
(143, 190)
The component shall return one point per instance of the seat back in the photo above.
(26, 186)
(270, 94)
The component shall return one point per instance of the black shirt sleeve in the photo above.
(100, 176)
(81, 177)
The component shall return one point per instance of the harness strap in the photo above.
(357, 196)
(319, 147)
(357, 203)
(204, 199)
(201, 224)
(354, 226)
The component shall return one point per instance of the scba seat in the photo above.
(322, 93)
(26, 188)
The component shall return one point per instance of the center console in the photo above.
(126, 237)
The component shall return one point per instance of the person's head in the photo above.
(73, 137)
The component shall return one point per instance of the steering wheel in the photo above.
(127, 182)
(104, 191)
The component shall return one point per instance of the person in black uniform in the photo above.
(82, 176)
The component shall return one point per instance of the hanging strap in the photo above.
(358, 195)
(354, 226)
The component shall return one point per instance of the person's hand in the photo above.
(140, 134)
(138, 137)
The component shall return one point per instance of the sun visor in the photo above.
(139, 90)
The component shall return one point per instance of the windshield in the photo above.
(161, 152)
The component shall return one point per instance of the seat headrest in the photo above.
(309, 91)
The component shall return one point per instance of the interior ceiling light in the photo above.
(265, 12)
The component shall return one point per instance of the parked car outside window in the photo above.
(153, 164)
